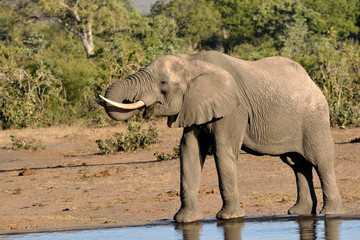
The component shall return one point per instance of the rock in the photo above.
(27, 172)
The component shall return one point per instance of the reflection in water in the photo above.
(332, 229)
(308, 229)
(190, 231)
(232, 230)
(262, 227)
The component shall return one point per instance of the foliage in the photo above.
(28, 99)
(341, 15)
(197, 20)
(79, 16)
(237, 20)
(45, 77)
(55, 56)
(24, 143)
(133, 139)
(339, 79)
(161, 156)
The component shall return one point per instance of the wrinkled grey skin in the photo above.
(266, 107)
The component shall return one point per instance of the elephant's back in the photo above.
(269, 78)
(282, 76)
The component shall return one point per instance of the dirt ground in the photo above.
(71, 184)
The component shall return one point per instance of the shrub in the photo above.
(161, 156)
(22, 143)
(131, 141)
(28, 99)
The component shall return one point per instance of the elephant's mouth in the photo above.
(152, 110)
(149, 112)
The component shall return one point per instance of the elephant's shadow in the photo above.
(308, 229)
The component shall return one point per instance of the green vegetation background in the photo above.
(55, 56)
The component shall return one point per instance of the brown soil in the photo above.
(71, 184)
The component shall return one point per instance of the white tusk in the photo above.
(127, 106)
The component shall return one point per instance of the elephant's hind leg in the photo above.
(321, 155)
(306, 198)
(331, 196)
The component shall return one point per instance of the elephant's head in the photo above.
(185, 89)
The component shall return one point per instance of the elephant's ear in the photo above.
(209, 96)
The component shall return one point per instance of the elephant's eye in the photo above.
(164, 87)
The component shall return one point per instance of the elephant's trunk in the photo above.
(129, 90)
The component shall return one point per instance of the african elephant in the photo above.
(265, 107)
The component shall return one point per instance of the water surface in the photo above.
(264, 227)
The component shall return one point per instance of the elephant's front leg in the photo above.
(225, 159)
(192, 157)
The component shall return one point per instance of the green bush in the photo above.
(133, 139)
(161, 156)
(28, 99)
(345, 115)
(24, 143)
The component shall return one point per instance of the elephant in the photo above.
(269, 106)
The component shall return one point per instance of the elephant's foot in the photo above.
(302, 209)
(229, 213)
(186, 215)
(332, 209)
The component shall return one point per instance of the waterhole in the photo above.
(260, 227)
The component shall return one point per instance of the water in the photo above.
(267, 227)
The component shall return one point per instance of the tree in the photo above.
(81, 17)
(295, 36)
(276, 18)
(237, 19)
(197, 20)
(341, 15)
(11, 24)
